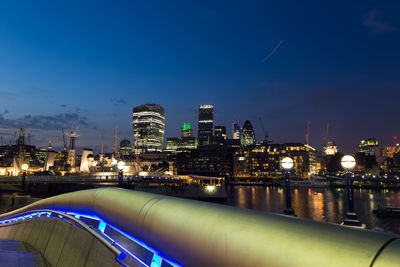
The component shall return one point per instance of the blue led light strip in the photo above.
(158, 257)
(129, 236)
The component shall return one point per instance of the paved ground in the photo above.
(17, 253)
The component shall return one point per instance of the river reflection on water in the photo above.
(320, 204)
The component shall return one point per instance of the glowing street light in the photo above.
(287, 165)
(121, 165)
(24, 168)
(348, 162)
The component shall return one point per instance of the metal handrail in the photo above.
(195, 233)
(119, 254)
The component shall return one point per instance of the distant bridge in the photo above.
(113, 227)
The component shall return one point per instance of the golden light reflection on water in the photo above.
(317, 207)
(321, 204)
(242, 203)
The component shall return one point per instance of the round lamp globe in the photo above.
(25, 167)
(287, 163)
(348, 162)
(121, 165)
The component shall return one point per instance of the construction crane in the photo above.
(308, 132)
(64, 139)
(326, 137)
(265, 132)
(116, 142)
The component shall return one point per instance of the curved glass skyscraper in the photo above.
(247, 137)
(148, 122)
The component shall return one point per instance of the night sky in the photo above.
(86, 64)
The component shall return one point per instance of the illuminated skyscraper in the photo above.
(247, 137)
(148, 128)
(235, 131)
(206, 124)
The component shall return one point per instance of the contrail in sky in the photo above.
(273, 51)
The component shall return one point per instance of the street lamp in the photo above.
(120, 166)
(348, 163)
(287, 165)
(24, 168)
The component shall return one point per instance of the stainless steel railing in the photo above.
(194, 233)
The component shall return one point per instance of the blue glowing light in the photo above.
(157, 259)
(102, 226)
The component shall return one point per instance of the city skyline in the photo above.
(87, 65)
(110, 147)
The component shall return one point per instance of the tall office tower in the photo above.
(206, 124)
(148, 122)
(247, 137)
(220, 134)
(235, 131)
(187, 130)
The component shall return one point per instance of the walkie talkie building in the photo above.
(148, 122)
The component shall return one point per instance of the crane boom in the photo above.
(308, 132)
(64, 139)
(263, 128)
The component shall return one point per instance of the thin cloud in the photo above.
(7, 96)
(374, 20)
(43, 122)
(118, 101)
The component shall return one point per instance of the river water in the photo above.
(320, 204)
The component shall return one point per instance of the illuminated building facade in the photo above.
(366, 158)
(236, 131)
(389, 151)
(368, 146)
(331, 148)
(247, 138)
(212, 160)
(391, 159)
(148, 128)
(220, 134)
(206, 124)
(263, 160)
(187, 130)
(186, 142)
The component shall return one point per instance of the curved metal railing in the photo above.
(192, 233)
(28, 215)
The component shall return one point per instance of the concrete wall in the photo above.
(61, 243)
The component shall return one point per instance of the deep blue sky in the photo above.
(87, 63)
